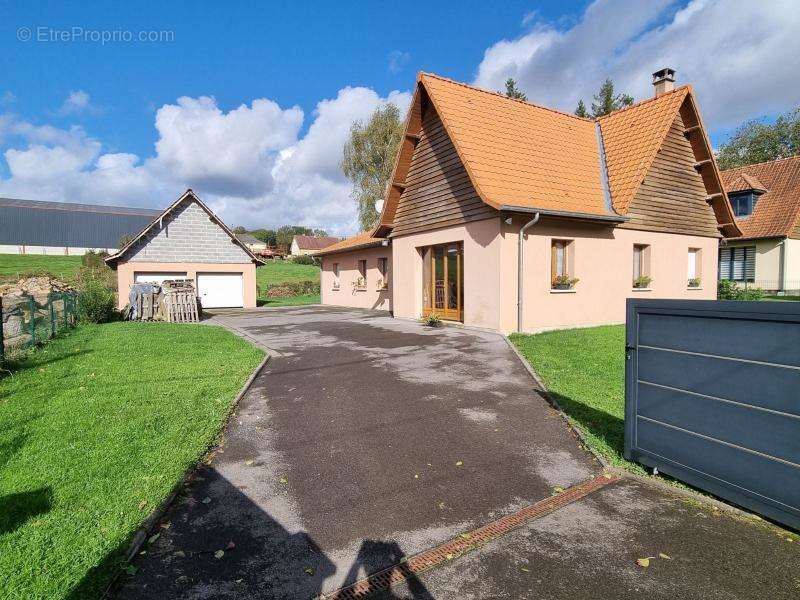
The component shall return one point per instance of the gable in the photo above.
(187, 234)
(672, 195)
(438, 191)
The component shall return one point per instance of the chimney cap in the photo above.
(665, 74)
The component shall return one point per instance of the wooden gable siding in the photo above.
(438, 191)
(672, 197)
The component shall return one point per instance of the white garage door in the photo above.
(156, 277)
(220, 290)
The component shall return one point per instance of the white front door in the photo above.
(220, 290)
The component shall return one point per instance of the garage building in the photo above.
(188, 241)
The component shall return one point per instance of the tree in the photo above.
(124, 240)
(605, 101)
(512, 91)
(265, 235)
(320, 233)
(755, 141)
(239, 229)
(368, 158)
(285, 234)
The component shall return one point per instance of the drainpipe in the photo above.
(782, 281)
(521, 267)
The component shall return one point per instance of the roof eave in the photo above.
(563, 213)
(363, 246)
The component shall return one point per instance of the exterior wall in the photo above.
(346, 295)
(793, 266)
(770, 262)
(127, 270)
(603, 259)
(482, 243)
(50, 250)
(187, 234)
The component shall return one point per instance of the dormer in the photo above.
(744, 193)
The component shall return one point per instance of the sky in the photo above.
(250, 103)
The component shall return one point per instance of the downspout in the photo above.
(782, 281)
(521, 267)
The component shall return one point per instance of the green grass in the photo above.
(584, 370)
(284, 271)
(96, 428)
(290, 300)
(58, 266)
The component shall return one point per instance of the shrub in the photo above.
(305, 259)
(94, 260)
(96, 301)
(293, 288)
(642, 281)
(730, 290)
(564, 282)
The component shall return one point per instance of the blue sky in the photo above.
(249, 102)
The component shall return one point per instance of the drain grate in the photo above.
(465, 542)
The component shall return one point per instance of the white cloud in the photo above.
(397, 60)
(738, 54)
(250, 163)
(76, 102)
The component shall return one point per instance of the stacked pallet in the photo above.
(178, 302)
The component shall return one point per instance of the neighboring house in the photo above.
(309, 244)
(766, 202)
(64, 228)
(188, 241)
(632, 195)
(256, 245)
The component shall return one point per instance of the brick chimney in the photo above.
(664, 81)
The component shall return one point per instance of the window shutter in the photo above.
(738, 263)
(750, 263)
(725, 263)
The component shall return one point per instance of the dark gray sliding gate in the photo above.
(712, 397)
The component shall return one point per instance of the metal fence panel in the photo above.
(27, 320)
(712, 397)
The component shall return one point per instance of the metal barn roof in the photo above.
(38, 223)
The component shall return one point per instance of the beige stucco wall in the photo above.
(127, 270)
(481, 241)
(793, 265)
(347, 295)
(768, 260)
(603, 259)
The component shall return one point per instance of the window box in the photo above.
(381, 285)
(642, 282)
(360, 285)
(564, 282)
(336, 287)
(694, 283)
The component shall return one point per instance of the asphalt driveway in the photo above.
(364, 439)
(368, 439)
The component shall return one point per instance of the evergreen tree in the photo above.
(605, 101)
(581, 110)
(512, 91)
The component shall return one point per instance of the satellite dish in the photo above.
(379, 205)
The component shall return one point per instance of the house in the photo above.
(256, 245)
(188, 241)
(309, 244)
(766, 203)
(65, 228)
(511, 216)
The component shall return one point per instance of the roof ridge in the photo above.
(758, 164)
(687, 87)
(501, 95)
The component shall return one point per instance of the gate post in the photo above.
(32, 309)
(52, 315)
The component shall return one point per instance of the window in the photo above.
(562, 265)
(641, 266)
(336, 276)
(383, 269)
(743, 203)
(737, 264)
(693, 268)
(361, 280)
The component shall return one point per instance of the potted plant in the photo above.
(642, 282)
(564, 282)
(694, 282)
(381, 284)
(359, 284)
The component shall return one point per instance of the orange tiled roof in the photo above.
(777, 212)
(632, 137)
(365, 239)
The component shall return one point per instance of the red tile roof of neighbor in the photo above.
(365, 239)
(311, 242)
(523, 156)
(777, 211)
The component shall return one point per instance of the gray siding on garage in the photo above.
(187, 234)
(713, 398)
(63, 224)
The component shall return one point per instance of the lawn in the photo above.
(584, 370)
(60, 266)
(284, 271)
(290, 300)
(96, 428)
